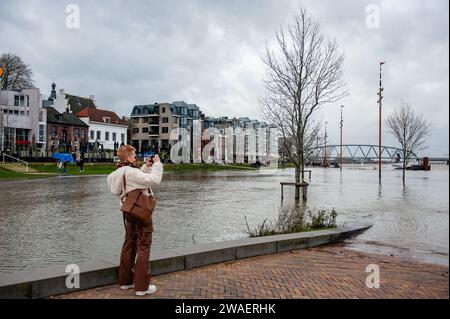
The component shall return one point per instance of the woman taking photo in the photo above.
(128, 177)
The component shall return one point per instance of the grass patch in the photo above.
(72, 168)
(107, 168)
(6, 175)
(295, 220)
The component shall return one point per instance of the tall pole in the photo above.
(380, 99)
(325, 150)
(342, 124)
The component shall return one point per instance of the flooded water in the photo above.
(66, 220)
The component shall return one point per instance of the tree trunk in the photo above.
(404, 170)
(297, 180)
(302, 170)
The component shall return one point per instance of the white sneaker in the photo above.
(151, 289)
(125, 287)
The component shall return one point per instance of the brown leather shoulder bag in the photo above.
(137, 207)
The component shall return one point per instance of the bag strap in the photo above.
(124, 184)
(150, 191)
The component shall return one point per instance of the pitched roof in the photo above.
(99, 115)
(146, 109)
(78, 103)
(53, 116)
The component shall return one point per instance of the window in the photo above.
(135, 120)
(163, 110)
(145, 130)
(165, 120)
(106, 136)
(174, 119)
(41, 116)
(53, 131)
(99, 135)
(92, 135)
(76, 132)
(22, 112)
(28, 100)
(16, 112)
(114, 136)
(9, 137)
(135, 130)
(145, 120)
(107, 120)
(83, 134)
(19, 100)
(41, 133)
(122, 137)
(165, 130)
(22, 135)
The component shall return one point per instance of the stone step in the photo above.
(19, 168)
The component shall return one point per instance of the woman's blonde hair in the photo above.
(125, 151)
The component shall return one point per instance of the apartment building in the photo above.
(257, 137)
(152, 124)
(19, 120)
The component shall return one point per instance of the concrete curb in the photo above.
(52, 281)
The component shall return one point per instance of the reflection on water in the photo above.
(73, 219)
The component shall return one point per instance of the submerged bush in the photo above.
(294, 220)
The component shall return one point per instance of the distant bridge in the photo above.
(358, 152)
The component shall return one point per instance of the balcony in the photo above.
(153, 131)
(153, 121)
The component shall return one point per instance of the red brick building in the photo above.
(66, 132)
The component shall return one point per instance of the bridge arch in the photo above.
(358, 152)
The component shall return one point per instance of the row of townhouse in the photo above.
(30, 124)
(151, 126)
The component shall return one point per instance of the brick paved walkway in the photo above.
(325, 272)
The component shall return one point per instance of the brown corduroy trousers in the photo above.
(136, 254)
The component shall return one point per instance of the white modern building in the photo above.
(106, 128)
(19, 120)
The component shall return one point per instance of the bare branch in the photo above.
(304, 72)
(409, 129)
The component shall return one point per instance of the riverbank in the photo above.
(50, 169)
(319, 273)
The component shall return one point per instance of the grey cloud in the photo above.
(208, 52)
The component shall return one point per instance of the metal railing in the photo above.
(19, 161)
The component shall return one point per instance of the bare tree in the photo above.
(16, 74)
(304, 72)
(410, 130)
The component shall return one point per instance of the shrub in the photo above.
(294, 220)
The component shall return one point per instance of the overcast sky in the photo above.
(209, 53)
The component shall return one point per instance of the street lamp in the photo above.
(380, 98)
(342, 124)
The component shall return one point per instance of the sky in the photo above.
(208, 52)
